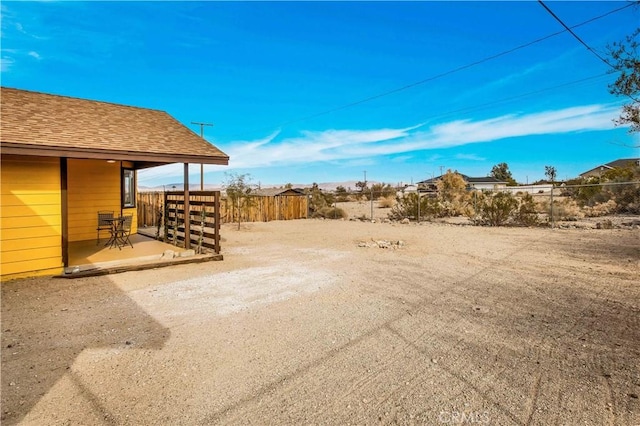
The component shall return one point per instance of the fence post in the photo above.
(418, 194)
(371, 203)
(551, 208)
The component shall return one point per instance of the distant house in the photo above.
(599, 170)
(64, 159)
(486, 183)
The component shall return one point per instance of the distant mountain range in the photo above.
(325, 186)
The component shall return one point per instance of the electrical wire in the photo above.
(597, 55)
(519, 96)
(443, 74)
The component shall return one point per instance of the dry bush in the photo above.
(527, 213)
(566, 209)
(453, 196)
(328, 212)
(406, 206)
(386, 202)
(601, 209)
(495, 209)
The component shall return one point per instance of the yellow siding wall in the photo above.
(30, 216)
(93, 185)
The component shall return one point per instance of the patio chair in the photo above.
(105, 223)
(124, 231)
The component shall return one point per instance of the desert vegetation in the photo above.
(616, 191)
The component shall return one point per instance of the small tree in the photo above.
(362, 186)
(238, 188)
(550, 173)
(625, 61)
(501, 172)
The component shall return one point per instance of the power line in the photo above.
(575, 35)
(446, 73)
(582, 41)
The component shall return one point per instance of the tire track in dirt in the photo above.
(423, 304)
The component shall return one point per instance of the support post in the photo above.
(216, 218)
(64, 204)
(187, 212)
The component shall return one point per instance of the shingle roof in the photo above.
(622, 162)
(84, 128)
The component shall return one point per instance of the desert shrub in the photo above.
(341, 194)
(605, 224)
(378, 190)
(594, 198)
(319, 199)
(452, 194)
(406, 206)
(329, 212)
(565, 209)
(527, 214)
(626, 197)
(386, 202)
(601, 209)
(494, 209)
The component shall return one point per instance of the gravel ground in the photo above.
(311, 322)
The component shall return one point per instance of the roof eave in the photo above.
(141, 159)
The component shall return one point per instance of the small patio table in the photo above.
(115, 224)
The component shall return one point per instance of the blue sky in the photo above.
(279, 82)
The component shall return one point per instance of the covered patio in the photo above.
(66, 161)
(87, 258)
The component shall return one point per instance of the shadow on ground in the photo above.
(48, 322)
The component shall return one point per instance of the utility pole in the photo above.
(365, 178)
(441, 167)
(202, 165)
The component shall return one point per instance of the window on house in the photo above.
(128, 188)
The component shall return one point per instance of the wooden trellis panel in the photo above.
(203, 216)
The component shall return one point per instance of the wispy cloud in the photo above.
(349, 145)
(35, 55)
(6, 63)
(470, 157)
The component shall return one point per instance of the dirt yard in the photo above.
(311, 322)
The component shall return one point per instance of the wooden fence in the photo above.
(258, 209)
(204, 219)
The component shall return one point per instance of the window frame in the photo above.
(124, 179)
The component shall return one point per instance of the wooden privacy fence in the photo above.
(150, 208)
(258, 209)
